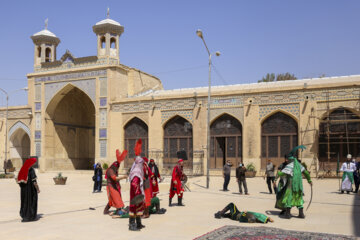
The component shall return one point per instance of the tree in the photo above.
(270, 77)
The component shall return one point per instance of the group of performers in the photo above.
(144, 177)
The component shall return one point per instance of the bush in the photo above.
(59, 175)
(105, 166)
(250, 167)
(2, 175)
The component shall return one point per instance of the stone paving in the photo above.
(66, 214)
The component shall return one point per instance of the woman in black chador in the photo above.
(29, 191)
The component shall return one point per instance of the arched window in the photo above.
(279, 134)
(339, 135)
(39, 51)
(47, 55)
(226, 141)
(178, 137)
(102, 42)
(135, 129)
(112, 43)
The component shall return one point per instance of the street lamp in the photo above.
(7, 115)
(200, 35)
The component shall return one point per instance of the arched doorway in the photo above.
(135, 129)
(178, 136)
(339, 135)
(279, 134)
(19, 147)
(70, 130)
(226, 141)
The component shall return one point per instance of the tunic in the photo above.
(29, 198)
(113, 190)
(348, 169)
(176, 186)
(290, 193)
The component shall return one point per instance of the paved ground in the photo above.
(66, 215)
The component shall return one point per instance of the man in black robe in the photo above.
(29, 191)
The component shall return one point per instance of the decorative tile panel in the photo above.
(103, 133)
(103, 118)
(238, 113)
(71, 76)
(293, 109)
(88, 86)
(16, 113)
(38, 106)
(103, 146)
(37, 135)
(38, 149)
(38, 121)
(37, 92)
(103, 102)
(166, 115)
(103, 86)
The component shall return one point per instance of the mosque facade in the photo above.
(80, 110)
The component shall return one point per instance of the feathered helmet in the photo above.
(137, 148)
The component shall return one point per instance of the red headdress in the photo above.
(146, 159)
(137, 148)
(121, 157)
(23, 173)
(152, 160)
(180, 160)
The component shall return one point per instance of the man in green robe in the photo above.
(242, 216)
(290, 191)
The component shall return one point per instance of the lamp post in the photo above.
(7, 115)
(200, 35)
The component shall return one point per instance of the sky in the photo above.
(307, 38)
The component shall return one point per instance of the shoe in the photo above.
(180, 202)
(240, 193)
(247, 193)
(106, 209)
(342, 192)
(301, 213)
(282, 212)
(132, 225)
(287, 214)
(348, 192)
(170, 202)
(218, 215)
(138, 223)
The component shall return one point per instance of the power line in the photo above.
(183, 69)
(219, 75)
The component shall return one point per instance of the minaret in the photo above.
(45, 46)
(108, 33)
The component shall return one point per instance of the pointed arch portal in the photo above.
(70, 130)
(339, 135)
(178, 136)
(135, 129)
(226, 141)
(279, 134)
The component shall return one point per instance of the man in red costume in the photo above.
(147, 187)
(154, 177)
(136, 179)
(113, 185)
(176, 185)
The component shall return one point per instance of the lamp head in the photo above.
(25, 89)
(217, 53)
(199, 33)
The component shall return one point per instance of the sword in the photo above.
(310, 197)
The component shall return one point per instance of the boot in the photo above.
(287, 214)
(180, 202)
(132, 224)
(301, 213)
(138, 223)
(106, 209)
(170, 202)
(221, 214)
(282, 212)
(146, 213)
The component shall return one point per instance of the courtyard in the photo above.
(65, 212)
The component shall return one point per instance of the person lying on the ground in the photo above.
(242, 216)
(153, 209)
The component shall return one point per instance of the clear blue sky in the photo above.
(308, 38)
